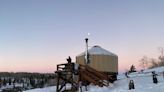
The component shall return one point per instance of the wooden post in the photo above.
(58, 80)
(80, 86)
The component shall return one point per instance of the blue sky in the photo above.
(35, 35)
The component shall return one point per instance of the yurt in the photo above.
(100, 59)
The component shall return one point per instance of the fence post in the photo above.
(155, 80)
(131, 85)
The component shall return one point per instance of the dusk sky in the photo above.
(35, 35)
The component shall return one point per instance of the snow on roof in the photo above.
(97, 50)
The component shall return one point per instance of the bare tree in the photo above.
(161, 56)
(154, 63)
(144, 62)
(161, 50)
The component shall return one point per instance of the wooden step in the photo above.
(93, 76)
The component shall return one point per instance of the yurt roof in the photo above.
(97, 50)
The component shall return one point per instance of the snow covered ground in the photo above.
(47, 89)
(143, 83)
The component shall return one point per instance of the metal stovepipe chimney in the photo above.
(86, 55)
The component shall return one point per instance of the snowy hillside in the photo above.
(143, 83)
